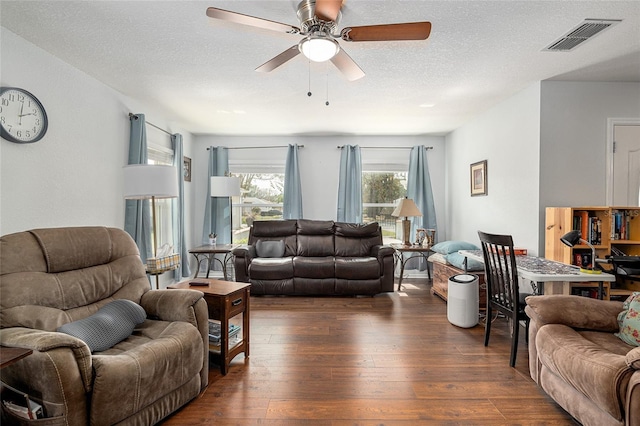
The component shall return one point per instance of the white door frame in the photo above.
(611, 123)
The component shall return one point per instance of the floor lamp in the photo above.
(226, 186)
(406, 208)
(150, 181)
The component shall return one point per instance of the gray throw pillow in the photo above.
(270, 248)
(113, 323)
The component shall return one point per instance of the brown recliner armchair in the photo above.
(52, 277)
(575, 356)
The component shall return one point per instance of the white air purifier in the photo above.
(463, 300)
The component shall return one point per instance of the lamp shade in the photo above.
(143, 181)
(406, 208)
(225, 186)
(319, 48)
(571, 238)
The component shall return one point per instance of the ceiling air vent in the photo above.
(583, 32)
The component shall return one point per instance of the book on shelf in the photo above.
(214, 331)
(620, 222)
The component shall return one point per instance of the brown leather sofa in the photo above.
(320, 258)
(53, 277)
(578, 361)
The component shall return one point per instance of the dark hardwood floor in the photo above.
(393, 359)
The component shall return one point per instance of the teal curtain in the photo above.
(137, 216)
(350, 185)
(419, 190)
(179, 238)
(217, 214)
(292, 206)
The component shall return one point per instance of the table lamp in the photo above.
(572, 238)
(406, 208)
(150, 181)
(226, 186)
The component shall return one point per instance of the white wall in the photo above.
(73, 176)
(319, 165)
(507, 136)
(573, 139)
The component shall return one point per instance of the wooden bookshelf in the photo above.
(616, 230)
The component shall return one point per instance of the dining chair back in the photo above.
(503, 293)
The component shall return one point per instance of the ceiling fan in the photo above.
(318, 24)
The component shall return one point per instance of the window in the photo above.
(261, 198)
(381, 191)
(164, 156)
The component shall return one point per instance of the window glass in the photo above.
(164, 223)
(381, 192)
(261, 198)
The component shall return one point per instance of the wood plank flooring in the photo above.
(393, 359)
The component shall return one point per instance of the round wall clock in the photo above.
(22, 116)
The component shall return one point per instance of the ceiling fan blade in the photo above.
(328, 10)
(252, 21)
(406, 31)
(347, 66)
(285, 56)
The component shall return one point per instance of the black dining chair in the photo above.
(503, 293)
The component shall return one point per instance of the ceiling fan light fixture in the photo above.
(319, 47)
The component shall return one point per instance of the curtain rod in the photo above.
(260, 147)
(150, 124)
(386, 147)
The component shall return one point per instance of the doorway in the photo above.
(623, 176)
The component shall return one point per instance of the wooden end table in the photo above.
(9, 355)
(225, 300)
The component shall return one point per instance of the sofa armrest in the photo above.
(574, 311)
(242, 257)
(172, 304)
(182, 305)
(45, 341)
(59, 371)
(633, 358)
(382, 251)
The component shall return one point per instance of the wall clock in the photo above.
(22, 116)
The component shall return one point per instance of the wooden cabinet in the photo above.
(611, 230)
(440, 281)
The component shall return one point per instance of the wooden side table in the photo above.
(225, 300)
(9, 355)
(413, 251)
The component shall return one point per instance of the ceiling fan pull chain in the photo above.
(309, 92)
(327, 74)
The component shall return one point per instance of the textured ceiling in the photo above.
(200, 73)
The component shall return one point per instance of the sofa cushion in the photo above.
(273, 228)
(265, 268)
(592, 369)
(315, 245)
(314, 267)
(357, 230)
(357, 268)
(270, 248)
(112, 323)
(160, 357)
(629, 320)
(315, 227)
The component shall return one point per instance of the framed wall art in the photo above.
(187, 169)
(479, 178)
